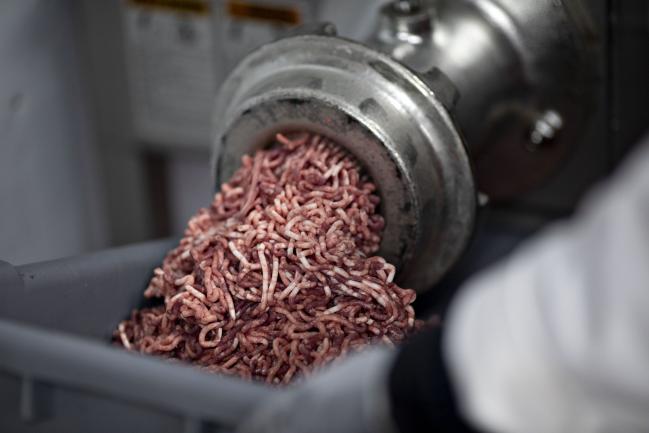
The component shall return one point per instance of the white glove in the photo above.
(351, 396)
(556, 339)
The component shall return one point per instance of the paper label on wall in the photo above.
(173, 76)
(241, 26)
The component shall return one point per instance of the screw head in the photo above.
(406, 6)
(545, 129)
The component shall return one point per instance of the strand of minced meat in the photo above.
(277, 276)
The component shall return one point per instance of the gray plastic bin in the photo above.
(60, 373)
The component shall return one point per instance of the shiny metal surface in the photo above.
(519, 69)
(512, 61)
(395, 121)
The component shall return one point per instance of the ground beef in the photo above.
(277, 276)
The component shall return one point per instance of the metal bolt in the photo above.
(545, 129)
(406, 6)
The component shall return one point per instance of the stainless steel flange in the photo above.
(516, 63)
(391, 118)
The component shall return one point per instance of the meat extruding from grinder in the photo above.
(277, 277)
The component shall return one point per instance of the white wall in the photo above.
(50, 195)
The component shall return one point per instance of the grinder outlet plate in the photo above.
(389, 117)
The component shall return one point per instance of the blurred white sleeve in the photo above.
(556, 339)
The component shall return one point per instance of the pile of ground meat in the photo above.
(277, 277)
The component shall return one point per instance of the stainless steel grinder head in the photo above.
(392, 119)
